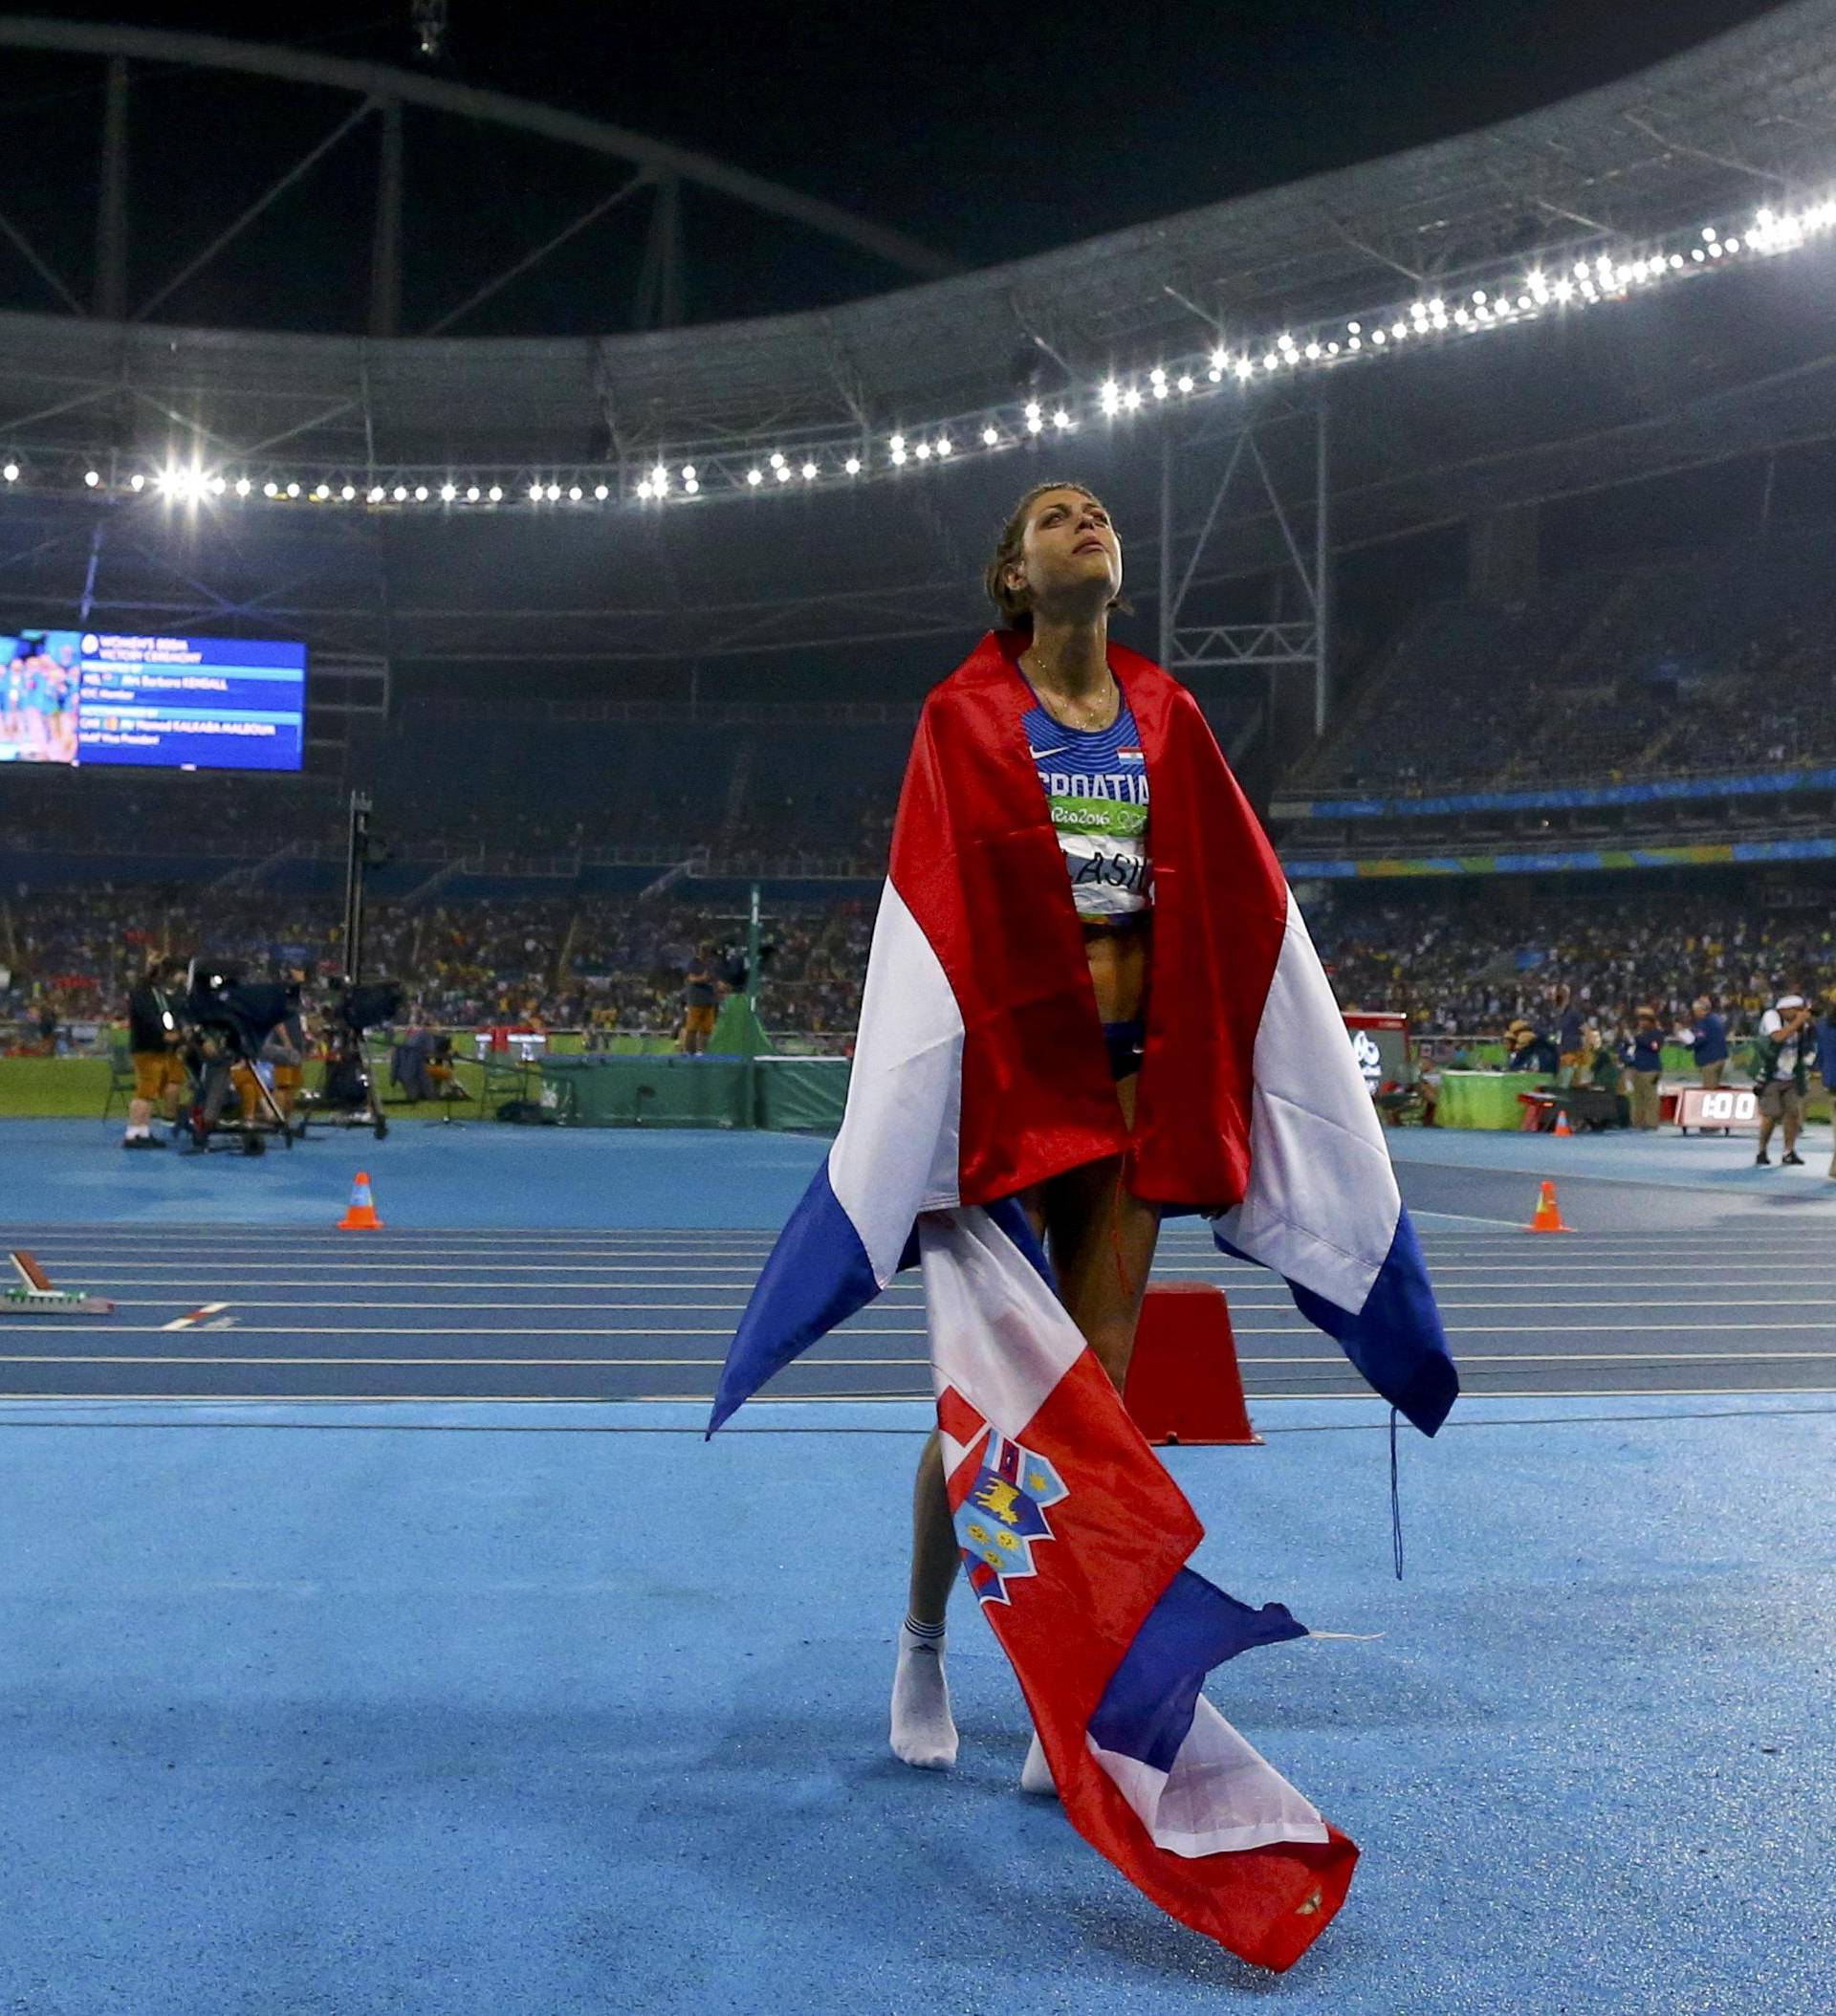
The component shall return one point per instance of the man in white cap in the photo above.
(1783, 1057)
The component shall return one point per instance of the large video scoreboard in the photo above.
(177, 703)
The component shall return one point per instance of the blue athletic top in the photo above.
(1095, 782)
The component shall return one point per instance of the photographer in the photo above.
(154, 1039)
(1782, 1054)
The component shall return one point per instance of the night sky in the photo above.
(986, 131)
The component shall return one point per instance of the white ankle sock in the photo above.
(923, 1733)
(1036, 1774)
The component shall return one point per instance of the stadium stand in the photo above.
(1699, 664)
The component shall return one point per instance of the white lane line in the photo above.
(1726, 1277)
(507, 1267)
(1332, 1364)
(464, 1330)
(1275, 1306)
(1509, 1232)
(1258, 1399)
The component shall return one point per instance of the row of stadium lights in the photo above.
(1589, 282)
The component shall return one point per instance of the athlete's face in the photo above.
(1070, 555)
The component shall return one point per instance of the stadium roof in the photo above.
(1686, 375)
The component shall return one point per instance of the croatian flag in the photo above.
(979, 1071)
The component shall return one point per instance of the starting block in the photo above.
(1183, 1383)
(35, 1293)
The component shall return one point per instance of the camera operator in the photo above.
(154, 1038)
(287, 1047)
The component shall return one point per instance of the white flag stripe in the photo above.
(1222, 1794)
(1321, 1204)
(998, 1334)
(898, 1151)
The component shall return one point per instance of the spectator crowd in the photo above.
(1462, 969)
(601, 964)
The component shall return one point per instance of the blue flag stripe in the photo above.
(817, 1275)
(1146, 1709)
(1396, 1340)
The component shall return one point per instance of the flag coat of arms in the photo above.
(979, 1071)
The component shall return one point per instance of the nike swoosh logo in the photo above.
(1040, 755)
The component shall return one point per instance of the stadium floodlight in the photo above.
(495, 493)
(447, 492)
(320, 494)
(10, 472)
(136, 481)
(218, 486)
(472, 492)
(347, 492)
(271, 490)
(535, 492)
(690, 484)
(293, 490)
(243, 486)
(1508, 294)
(376, 492)
(419, 493)
(574, 494)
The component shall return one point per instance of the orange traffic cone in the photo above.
(1548, 1216)
(1562, 1125)
(362, 1215)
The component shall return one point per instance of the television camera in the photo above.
(228, 1020)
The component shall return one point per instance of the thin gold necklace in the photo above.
(1092, 708)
